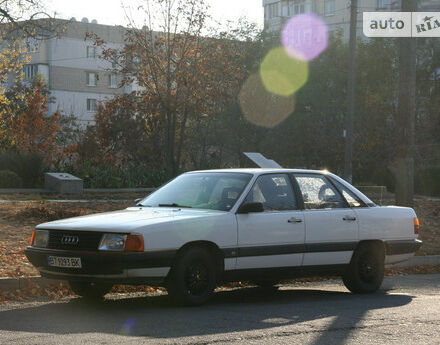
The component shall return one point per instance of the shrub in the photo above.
(427, 181)
(9, 179)
(30, 167)
(107, 176)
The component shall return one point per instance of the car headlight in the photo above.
(113, 242)
(41, 238)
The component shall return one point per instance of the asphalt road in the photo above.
(405, 311)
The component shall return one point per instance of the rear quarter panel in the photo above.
(386, 223)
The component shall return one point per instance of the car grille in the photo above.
(83, 240)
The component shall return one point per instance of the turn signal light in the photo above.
(134, 243)
(31, 240)
(416, 226)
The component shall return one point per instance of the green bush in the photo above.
(427, 181)
(105, 176)
(9, 179)
(29, 167)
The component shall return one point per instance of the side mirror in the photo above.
(136, 201)
(251, 207)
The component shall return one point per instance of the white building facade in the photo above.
(75, 75)
(335, 13)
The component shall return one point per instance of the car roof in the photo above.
(261, 170)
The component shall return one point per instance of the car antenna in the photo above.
(262, 161)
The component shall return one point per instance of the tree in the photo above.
(184, 76)
(32, 131)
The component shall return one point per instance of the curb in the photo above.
(427, 260)
(10, 284)
(16, 283)
(85, 190)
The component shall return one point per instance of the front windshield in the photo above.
(214, 191)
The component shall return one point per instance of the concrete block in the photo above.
(63, 183)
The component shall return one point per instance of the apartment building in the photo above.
(336, 13)
(69, 63)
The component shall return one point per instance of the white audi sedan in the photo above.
(208, 227)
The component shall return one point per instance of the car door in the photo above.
(331, 226)
(275, 237)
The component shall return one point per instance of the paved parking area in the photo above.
(405, 311)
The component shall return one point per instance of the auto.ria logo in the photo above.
(401, 24)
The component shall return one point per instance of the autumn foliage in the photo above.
(32, 130)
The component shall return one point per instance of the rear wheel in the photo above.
(192, 279)
(88, 290)
(366, 270)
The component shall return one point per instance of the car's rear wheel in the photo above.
(366, 270)
(193, 278)
(88, 290)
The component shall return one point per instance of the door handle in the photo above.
(294, 220)
(349, 218)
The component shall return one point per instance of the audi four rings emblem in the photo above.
(70, 239)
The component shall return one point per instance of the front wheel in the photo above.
(192, 279)
(366, 270)
(88, 290)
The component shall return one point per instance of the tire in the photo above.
(366, 270)
(193, 278)
(91, 291)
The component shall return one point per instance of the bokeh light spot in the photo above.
(281, 74)
(262, 108)
(305, 36)
(128, 327)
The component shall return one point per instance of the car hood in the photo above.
(127, 220)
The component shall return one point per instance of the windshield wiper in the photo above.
(174, 205)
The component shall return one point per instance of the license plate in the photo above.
(62, 261)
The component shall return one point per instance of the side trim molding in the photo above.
(289, 249)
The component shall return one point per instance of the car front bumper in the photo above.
(98, 266)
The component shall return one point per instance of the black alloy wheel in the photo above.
(192, 279)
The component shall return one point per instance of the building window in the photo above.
(32, 45)
(329, 7)
(91, 52)
(296, 7)
(91, 79)
(382, 3)
(272, 10)
(30, 71)
(113, 81)
(91, 104)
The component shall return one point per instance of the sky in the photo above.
(110, 11)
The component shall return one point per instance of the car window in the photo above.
(274, 191)
(352, 199)
(318, 192)
(216, 191)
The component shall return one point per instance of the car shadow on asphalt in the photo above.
(236, 310)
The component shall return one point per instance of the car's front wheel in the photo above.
(366, 270)
(193, 278)
(88, 290)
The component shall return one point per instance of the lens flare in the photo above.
(262, 108)
(128, 327)
(305, 36)
(282, 75)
